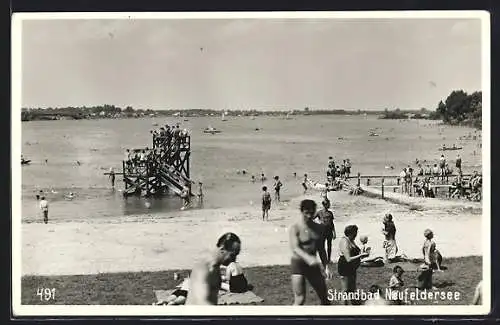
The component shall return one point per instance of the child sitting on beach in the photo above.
(178, 296)
(369, 261)
(396, 281)
(234, 280)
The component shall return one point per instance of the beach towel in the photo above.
(225, 298)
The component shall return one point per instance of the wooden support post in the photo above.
(398, 180)
(382, 188)
(359, 179)
(367, 182)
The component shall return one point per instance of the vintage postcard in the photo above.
(250, 163)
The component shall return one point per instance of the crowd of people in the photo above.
(424, 179)
(338, 171)
(165, 134)
(470, 189)
(310, 241)
(136, 160)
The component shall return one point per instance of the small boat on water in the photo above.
(372, 134)
(155, 124)
(186, 120)
(450, 148)
(25, 161)
(223, 118)
(211, 130)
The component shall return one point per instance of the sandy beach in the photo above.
(175, 240)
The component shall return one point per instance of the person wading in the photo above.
(44, 206)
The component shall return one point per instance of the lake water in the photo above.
(280, 147)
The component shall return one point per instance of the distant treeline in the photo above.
(459, 108)
(398, 114)
(111, 111)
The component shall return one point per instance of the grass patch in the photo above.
(270, 282)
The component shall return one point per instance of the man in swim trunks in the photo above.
(307, 238)
(325, 216)
(205, 279)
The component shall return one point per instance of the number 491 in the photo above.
(46, 294)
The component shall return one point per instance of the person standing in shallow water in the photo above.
(266, 203)
(44, 206)
(112, 177)
(307, 238)
(277, 188)
(200, 193)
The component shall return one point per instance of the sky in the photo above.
(266, 64)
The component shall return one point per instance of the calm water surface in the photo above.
(279, 147)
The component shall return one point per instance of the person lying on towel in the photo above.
(178, 296)
(234, 280)
(369, 261)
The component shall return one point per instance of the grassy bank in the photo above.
(271, 283)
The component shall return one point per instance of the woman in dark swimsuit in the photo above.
(307, 238)
(349, 259)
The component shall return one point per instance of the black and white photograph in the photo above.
(244, 163)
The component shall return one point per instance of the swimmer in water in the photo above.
(205, 280)
(69, 196)
(307, 238)
(253, 179)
